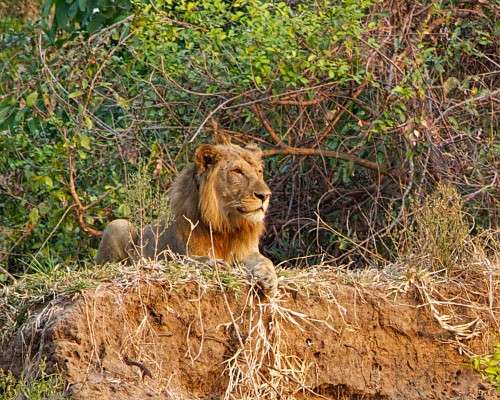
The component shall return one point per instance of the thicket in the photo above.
(361, 106)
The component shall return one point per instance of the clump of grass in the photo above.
(489, 367)
(452, 269)
(43, 285)
(437, 233)
(43, 386)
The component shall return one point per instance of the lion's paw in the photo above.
(264, 274)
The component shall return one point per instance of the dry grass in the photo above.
(436, 232)
(450, 272)
(261, 366)
(455, 273)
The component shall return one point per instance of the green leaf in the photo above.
(121, 102)
(494, 363)
(31, 99)
(61, 15)
(74, 94)
(88, 122)
(344, 244)
(34, 216)
(47, 5)
(123, 210)
(3, 113)
(48, 181)
(82, 4)
(85, 142)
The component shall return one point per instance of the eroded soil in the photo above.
(155, 341)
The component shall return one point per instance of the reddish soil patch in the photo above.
(154, 341)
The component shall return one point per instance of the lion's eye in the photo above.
(237, 171)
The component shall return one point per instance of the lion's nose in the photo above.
(263, 196)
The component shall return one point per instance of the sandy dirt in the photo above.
(160, 342)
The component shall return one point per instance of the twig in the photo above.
(7, 273)
(144, 370)
(276, 96)
(28, 229)
(472, 99)
(212, 113)
(471, 196)
(111, 27)
(54, 230)
(338, 115)
(267, 124)
(300, 102)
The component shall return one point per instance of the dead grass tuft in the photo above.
(455, 273)
(435, 235)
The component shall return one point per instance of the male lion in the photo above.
(224, 197)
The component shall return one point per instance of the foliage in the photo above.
(80, 106)
(144, 201)
(89, 15)
(489, 366)
(252, 45)
(43, 386)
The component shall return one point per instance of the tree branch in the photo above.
(79, 208)
(336, 118)
(267, 124)
(326, 153)
(299, 102)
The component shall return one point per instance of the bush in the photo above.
(489, 367)
(44, 386)
(89, 15)
(438, 231)
(352, 121)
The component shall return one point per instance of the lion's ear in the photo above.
(222, 138)
(205, 157)
(254, 149)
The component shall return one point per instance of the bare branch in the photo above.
(79, 208)
(327, 153)
(267, 124)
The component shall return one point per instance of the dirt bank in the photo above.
(152, 340)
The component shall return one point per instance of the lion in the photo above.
(218, 206)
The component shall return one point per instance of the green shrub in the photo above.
(323, 74)
(44, 386)
(489, 366)
(144, 200)
(255, 44)
(89, 15)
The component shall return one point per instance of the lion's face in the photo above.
(232, 186)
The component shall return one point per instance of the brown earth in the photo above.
(25, 9)
(152, 340)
